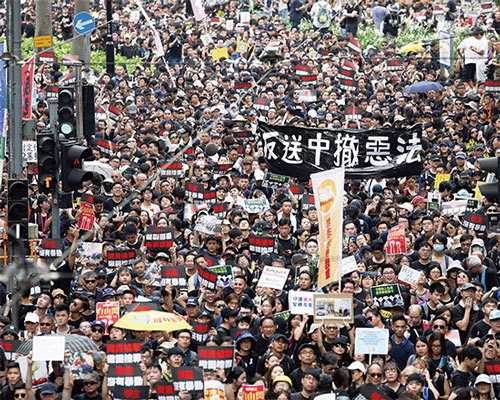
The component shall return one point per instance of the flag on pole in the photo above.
(28, 73)
(328, 187)
(3, 108)
(198, 10)
(160, 52)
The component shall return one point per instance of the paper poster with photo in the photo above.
(255, 206)
(396, 240)
(89, 250)
(274, 278)
(408, 275)
(333, 307)
(371, 341)
(209, 224)
(386, 296)
(224, 275)
(301, 302)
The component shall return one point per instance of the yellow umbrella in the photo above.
(152, 321)
(411, 48)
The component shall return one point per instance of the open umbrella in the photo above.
(410, 48)
(74, 343)
(152, 321)
(422, 87)
(99, 167)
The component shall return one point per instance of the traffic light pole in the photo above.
(55, 199)
(79, 102)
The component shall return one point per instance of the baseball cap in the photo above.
(494, 315)
(467, 286)
(461, 154)
(32, 317)
(124, 289)
(418, 199)
(482, 378)
(10, 329)
(283, 378)
(357, 366)
(48, 388)
(313, 328)
(298, 259)
(98, 323)
(161, 255)
(108, 292)
(192, 301)
(228, 312)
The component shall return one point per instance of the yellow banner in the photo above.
(220, 53)
(43, 41)
(477, 192)
(328, 187)
(441, 178)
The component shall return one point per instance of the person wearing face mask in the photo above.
(438, 252)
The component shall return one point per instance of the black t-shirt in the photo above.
(349, 9)
(462, 379)
(479, 329)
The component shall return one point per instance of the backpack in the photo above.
(323, 15)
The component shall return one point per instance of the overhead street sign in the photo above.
(84, 23)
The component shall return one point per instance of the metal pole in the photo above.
(86, 50)
(15, 138)
(110, 47)
(55, 199)
(79, 102)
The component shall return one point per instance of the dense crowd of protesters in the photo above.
(176, 106)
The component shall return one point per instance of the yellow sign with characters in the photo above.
(441, 178)
(43, 41)
(220, 53)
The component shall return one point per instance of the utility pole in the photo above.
(80, 43)
(55, 199)
(43, 25)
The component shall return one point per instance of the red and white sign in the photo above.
(396, 240)
(109, 312)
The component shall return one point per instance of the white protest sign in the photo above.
(274, 278)
(348, 265)
(206, 39)
(49, 348)
(409, 275)
(245, 17)
(301, 302)
(29, 151)
(371, 341)
(453, 336)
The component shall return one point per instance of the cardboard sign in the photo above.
(348, 265)
(453, 336)
(262, 104)
(371, 341)
(109, 312)
(121, 258)
(51, 248)
(256, 206)
(224, 275)
(166, 392)
(333, 307)
(213, 357)
(396, 240)
(217, 54)
(492, 369)
(307, 202)
(348, 84)
(49, 348)
(434, 203)
(455, 207)
(394, 65)
(492, 86)
(209, 224)
(386, 296)
(242, 85)
(220, 210)
(441, 178)
(408, 275)
(123, 351)
(253, 392)
(493, 222)
(214, 390)
(353, 114)
(274, 278)
(346, 73)
(174, 169)
(261, 244)
(135, 393)
(302, 70)
(188, 378)
(174, 275)
(301, 302)
(124, 375)
(106, 146)
(195, 190)
(355, 45)
(10, 348)
(476, 221)
(308, 95)
(276, 179)
(309, 79)
(46, 58)
(159, 238)
(207, 278)
(200, 331)
(143, 306)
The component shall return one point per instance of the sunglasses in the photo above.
(45, 324)
(374, 375)
(20, 395)
(439, 326)
(89, 280)
(97, 330)
(136, 202)
(88, 383)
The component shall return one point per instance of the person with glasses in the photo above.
(438, 354)
(310, 382)
(98, 329)
(79, 304)
(93, 388)
(47, 324)
(306, 355)
(20, 392)
(327, 334)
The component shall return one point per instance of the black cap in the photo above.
(228, 312)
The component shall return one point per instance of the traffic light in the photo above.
(47, 162)
(66, 112)
(71, 161)
(491, 190)
(88, 93)
(17, 216)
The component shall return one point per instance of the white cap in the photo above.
(357, 365)
(32, 317)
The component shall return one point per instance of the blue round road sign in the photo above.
(84, 23)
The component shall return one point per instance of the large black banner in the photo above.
(365, 154)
